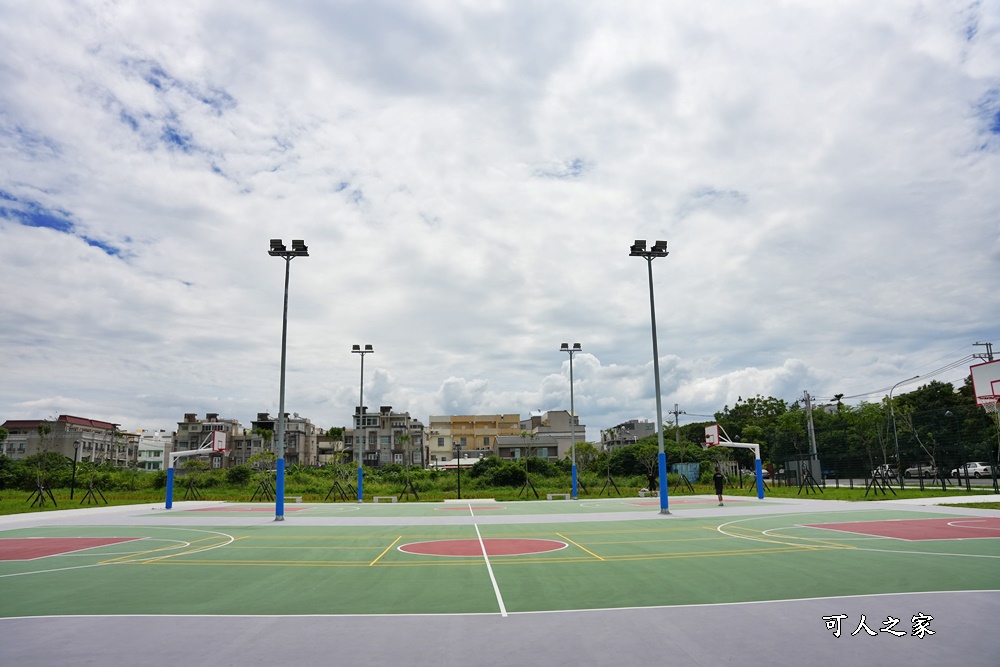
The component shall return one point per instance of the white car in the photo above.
(975, 469)
(920, 471)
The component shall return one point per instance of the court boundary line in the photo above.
(984, 591)
(489, 568)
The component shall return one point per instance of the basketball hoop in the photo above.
(989, 403)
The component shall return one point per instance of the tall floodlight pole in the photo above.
(356, 349)
(572, 411)
(278, 249)
(659, 249)
(895, 437)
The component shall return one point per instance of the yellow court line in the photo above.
(123, 558)
(760, 536)
(477, 563)
(140, 554)
(579, 546)
(222, 542)
(310, 547)
(386, 550)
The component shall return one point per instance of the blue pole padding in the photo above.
(170, 487)
(574, 482)
(760, 480)
(279, 492)
(361, 476)
(664, 499)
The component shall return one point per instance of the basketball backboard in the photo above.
(218, 441)
(985, 379)
(712, 435)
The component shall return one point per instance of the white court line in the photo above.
(489, 568)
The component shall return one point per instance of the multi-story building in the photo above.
(76, 438)
(301, 437)
(555, 424)
(474, 435)
(153, 446)
(193, 432)
(522, 446)
(379, 437)
(627, 433)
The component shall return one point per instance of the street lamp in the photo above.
(76, 457)
(278, 249)
(659, 249)
(572, 412)
(895, 437)
(356, 349)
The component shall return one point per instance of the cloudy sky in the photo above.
(469, 176)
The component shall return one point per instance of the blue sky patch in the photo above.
(33, 214)
(162, 81)
(571, 169)
(988, 110)
(174, 138)
(27, 142)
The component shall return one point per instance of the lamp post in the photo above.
(76, 457)
(895, 437)
(659, 249)
(356, 349)
(278, 249)
(458, 466)
(572, 412)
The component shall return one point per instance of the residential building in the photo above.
(192, 433)
(555, 424)
(76, 438)
(153, 446)
(475, 435)
(627, 433)
(517, 447)
(379, 437)
(301, 437)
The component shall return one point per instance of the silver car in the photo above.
(975, 469)
(920, 471)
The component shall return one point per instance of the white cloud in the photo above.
(469, 177)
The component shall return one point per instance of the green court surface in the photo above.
(353, 559)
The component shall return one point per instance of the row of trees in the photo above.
(934, 424)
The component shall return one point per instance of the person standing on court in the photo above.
(719, 480)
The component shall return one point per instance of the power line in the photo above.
(944, 369)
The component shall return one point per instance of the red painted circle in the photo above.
(494, 547)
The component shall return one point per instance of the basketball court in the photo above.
(482, 583)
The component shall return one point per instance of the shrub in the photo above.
(239, 475)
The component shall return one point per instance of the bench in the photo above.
(297, 499)
(564, 496)
(391, 499)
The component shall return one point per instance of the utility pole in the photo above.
(677, 423)
(989, 351)
(677, 429)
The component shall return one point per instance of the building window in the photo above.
(384, 440)
(440, 442)
(486, 442)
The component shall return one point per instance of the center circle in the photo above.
(494, 546)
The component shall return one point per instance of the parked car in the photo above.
(920, 471)
(974, 469)
(884, 470)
